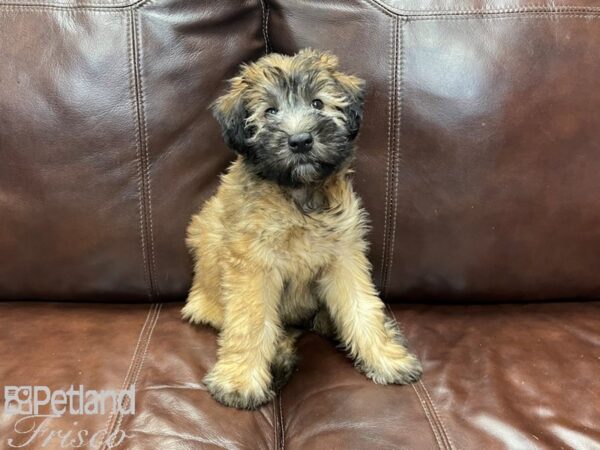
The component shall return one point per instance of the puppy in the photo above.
(282, 243)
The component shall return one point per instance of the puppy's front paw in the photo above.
(237, 395)
(400, 370)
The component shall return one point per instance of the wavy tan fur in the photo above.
(270, 257)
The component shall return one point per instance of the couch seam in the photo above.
(382, 8)
(264, 6)
(274, 419)
(439, 433)
(141, 139)
(267, 17)
(138, 370)
(16, 8)
(148, 174)
(427, 412)
(438, 416)
(391, 11)
(587, 12)
(396, 152)
(391, 150)
(390, 125)
(141, 337)
(140, 183)
(548, 15)
(115, 5)
(387, 162)
(281, 427)
(80, 7)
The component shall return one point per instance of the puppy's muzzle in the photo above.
(301, 142)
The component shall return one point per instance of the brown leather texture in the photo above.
(478, 158)
(529, 381)
(106, 143)
(478, 164)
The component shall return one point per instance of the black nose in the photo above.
(301, 142)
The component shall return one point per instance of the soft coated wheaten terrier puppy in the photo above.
(282, 243)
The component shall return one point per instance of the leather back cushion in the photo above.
(478, 162)
(479, 159)
(106, 144)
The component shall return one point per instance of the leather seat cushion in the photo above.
(496, 376)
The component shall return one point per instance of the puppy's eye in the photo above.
(271, 111)
(317, 103)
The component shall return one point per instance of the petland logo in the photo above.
(37, 404)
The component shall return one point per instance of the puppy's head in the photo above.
(292, 118)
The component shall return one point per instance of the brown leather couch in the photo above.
(479, 163)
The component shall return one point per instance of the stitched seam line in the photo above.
(267, 25)
(528, 8)
(438, 416)
(437, 433)
(15, 8)
(281, 426)
(149, 214)
(112, 418)
(382, 6)
(396, 155)
(434, 429)
(66, 5)
(138, 370)
(553, 16)
(145, 225)
(391, 94)
(264, 6)
(437, 425)
(391, 158)
(78, 7)
(387, 163)
(274, 420)
(139, 158)
(435, 420)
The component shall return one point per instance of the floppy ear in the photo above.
(354, 90)
(230, 112)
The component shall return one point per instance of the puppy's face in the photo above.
(292, 118)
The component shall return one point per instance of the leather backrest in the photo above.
(480, 153)
(106, 144)
(478, 156)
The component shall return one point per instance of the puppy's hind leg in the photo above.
(323, 325)
(285, 359)
(202, 306)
